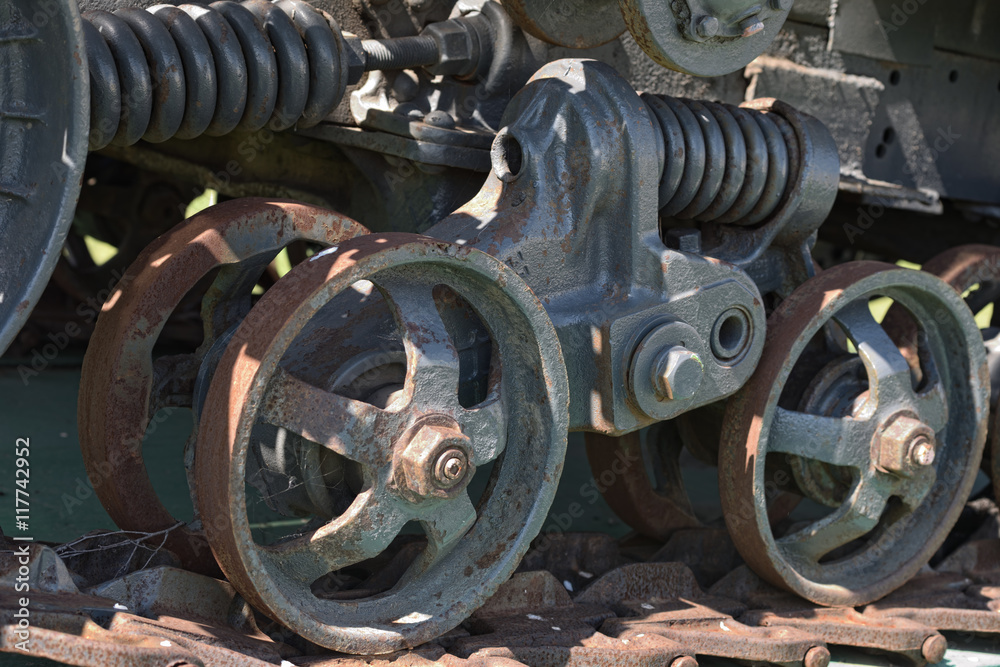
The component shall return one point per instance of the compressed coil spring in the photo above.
(722, 163)
(184, 71)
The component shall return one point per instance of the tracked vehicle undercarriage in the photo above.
(457, 243)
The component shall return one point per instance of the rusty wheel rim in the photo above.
(121, 388)
(471, 549)
(963, 268)
(952, 403)
(619, 466)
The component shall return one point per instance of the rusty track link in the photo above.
(640, 615)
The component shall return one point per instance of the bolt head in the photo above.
(439, 118)
(934, 648)
(817, 656)
(922, 451)
(677, 374)
(707, 27)
(457, 55)
(434, 463)
(450, 468)
(903, 445)
(751, 26)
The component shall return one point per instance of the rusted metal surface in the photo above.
(533, 620)
(767, 606)
(664, 600)
(655, 512)
(943, 601)
(405, 448)
(977, 266)
(643, 614)
(953, 403)
(118, 396)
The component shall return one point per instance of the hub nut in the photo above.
(434, 463)
(903, 445)
(677, 374)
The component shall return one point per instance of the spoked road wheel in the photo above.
(123, 387)
(44, 104)
(418, 446)
(657, 508)
(974, 272)
(904, 451)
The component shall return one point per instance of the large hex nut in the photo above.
(434, 463)
(457, 48)
(677, 374)
(666, 367)
(903, 445)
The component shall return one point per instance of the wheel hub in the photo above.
(434, 461)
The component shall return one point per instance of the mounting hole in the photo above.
(888, 136)
(507, 156)
(953, 75)
(894, 77)
(880, 151)
(731, 334)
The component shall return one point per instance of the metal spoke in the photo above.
(355, 429)
(932, 406)
(912, 490)
(888, 372)
(449, 522)
(838, 441)
(364, 531)
(432, 373)
(857, 516)
(486, 426)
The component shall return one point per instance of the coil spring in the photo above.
(723, 163)
(189, 70)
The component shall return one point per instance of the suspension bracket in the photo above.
(570, 205)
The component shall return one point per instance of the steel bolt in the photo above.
(817, 656)
(922, 451)
(751, 26)
(934, 648)
(450, 468)
(902, 444)
(684, 661)
(677, 374)
(707, 27)
(439, 118)
(434, 463)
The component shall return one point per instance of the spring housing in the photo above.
(189, 70)
(722, 163)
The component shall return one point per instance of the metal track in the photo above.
(637, 613)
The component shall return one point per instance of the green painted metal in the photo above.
(704, 37)
(403, 449)
(901, 503)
